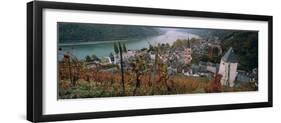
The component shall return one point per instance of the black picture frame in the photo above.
(35, 69)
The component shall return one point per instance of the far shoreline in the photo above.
(89, 43)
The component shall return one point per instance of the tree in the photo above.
(215, 85)
(155, 66)
(167, 45)
(178, 43)
(139, 67)
(72, 68)
(111, 56)
(124, 48)
(95, 58)
(163, 75)
(151, 48)
(121, 64)
(67, 59)
(88, 58)
(116, 49)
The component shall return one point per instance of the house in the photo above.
(187, 71)
(228, 68)
(201, 70)
(195, 69)
(243, 76)
(93, 64)
(209, 67)
(212, 67)
(152, 56)
(105, 61)
(116, 59)
(254, 75)
(128, 54)
(172, 71)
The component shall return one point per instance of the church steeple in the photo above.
(188, 43)
(230, 56)
(187, 52)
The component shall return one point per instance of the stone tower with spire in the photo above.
(187, 53)
(228, 68)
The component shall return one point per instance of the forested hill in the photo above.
(244, 43)
(82, 32)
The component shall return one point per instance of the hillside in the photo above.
(82, 32)
(244, 43)
(211, 34)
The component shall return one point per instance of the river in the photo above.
(104, 48)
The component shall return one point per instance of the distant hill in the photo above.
(83, 32)
(211, 34)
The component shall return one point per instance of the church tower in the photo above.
(187, 53)
(228, 68)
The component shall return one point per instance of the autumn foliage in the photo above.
(79, 80)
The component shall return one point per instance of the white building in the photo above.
(211, 68)
(128, 54)
(116, 59)
(228, 68)
(106, 60)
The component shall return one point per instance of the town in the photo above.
(160, 68)
(179, 61)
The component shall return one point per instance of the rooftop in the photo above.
(230, 56)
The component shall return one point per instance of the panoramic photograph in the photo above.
(107, 60)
